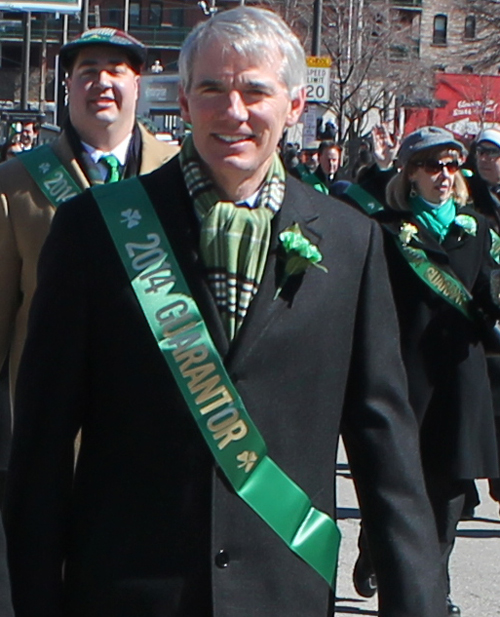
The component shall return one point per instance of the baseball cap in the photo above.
(424, 138)
(104, 36)
(492, 135)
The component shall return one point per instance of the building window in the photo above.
(470, 27)
(177, 17)
(114, 16)
(11, 56)
(135, 14)
(155, 13)
(440, 27)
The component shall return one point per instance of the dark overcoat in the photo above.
(483, 199)
(442, 348)
(148, 527)
(485, 203)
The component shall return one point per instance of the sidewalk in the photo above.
(475, 562)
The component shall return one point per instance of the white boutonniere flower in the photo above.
(407, 233)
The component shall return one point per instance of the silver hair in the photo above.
(251, 32)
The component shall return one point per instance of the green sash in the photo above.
(218, 410)
(363, 198)
(444, 284)
(50, 174)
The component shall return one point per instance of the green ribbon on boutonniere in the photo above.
(300, 253)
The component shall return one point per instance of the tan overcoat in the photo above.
(25, 218)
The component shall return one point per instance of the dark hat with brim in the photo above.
(425, 138)
(490, 134)
(136, 50)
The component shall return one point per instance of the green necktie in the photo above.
(113, 165)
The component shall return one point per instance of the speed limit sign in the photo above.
(318, 79)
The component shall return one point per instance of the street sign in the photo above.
(42, 6)
(308, 119)
(318, 79)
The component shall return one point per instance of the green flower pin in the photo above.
(467, 222)
(300, 253)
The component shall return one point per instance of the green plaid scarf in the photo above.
(234, 239)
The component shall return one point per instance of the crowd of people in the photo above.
(189, 331)
(22, 136)
(439, 208)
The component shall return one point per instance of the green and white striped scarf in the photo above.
(234, 239)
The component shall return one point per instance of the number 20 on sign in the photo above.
(318, 79)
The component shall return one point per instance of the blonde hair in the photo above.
(398, 190)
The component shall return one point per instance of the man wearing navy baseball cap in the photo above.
(487, 151)
(100, 142)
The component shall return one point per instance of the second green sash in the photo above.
(50, 174)
(364, 199)
(444, 284)
(214, 402)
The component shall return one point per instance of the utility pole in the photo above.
(316, 34)
(43, 64)
(60, 85)
(25, 77)
(126, 12)
(84, 21)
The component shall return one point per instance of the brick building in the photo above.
(161, 24)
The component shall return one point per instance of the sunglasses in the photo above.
(492, 153)
(436, 167)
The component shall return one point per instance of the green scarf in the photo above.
(234, 239)
(436, 219)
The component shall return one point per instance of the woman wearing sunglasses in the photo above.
(441, 271)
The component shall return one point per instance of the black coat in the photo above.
(444, 358)
(483, 200)
(6, 609)
(487, 206)
(442, 350)
(142, 524)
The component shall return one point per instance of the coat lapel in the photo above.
(436, 253)
(424, 240)
(63, 151)
(457, 236)
(178, 219)
(298, 207)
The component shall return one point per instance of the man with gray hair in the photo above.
(211, 327)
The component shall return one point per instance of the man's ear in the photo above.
(296, 108)
(184, 105)
(137, 87)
